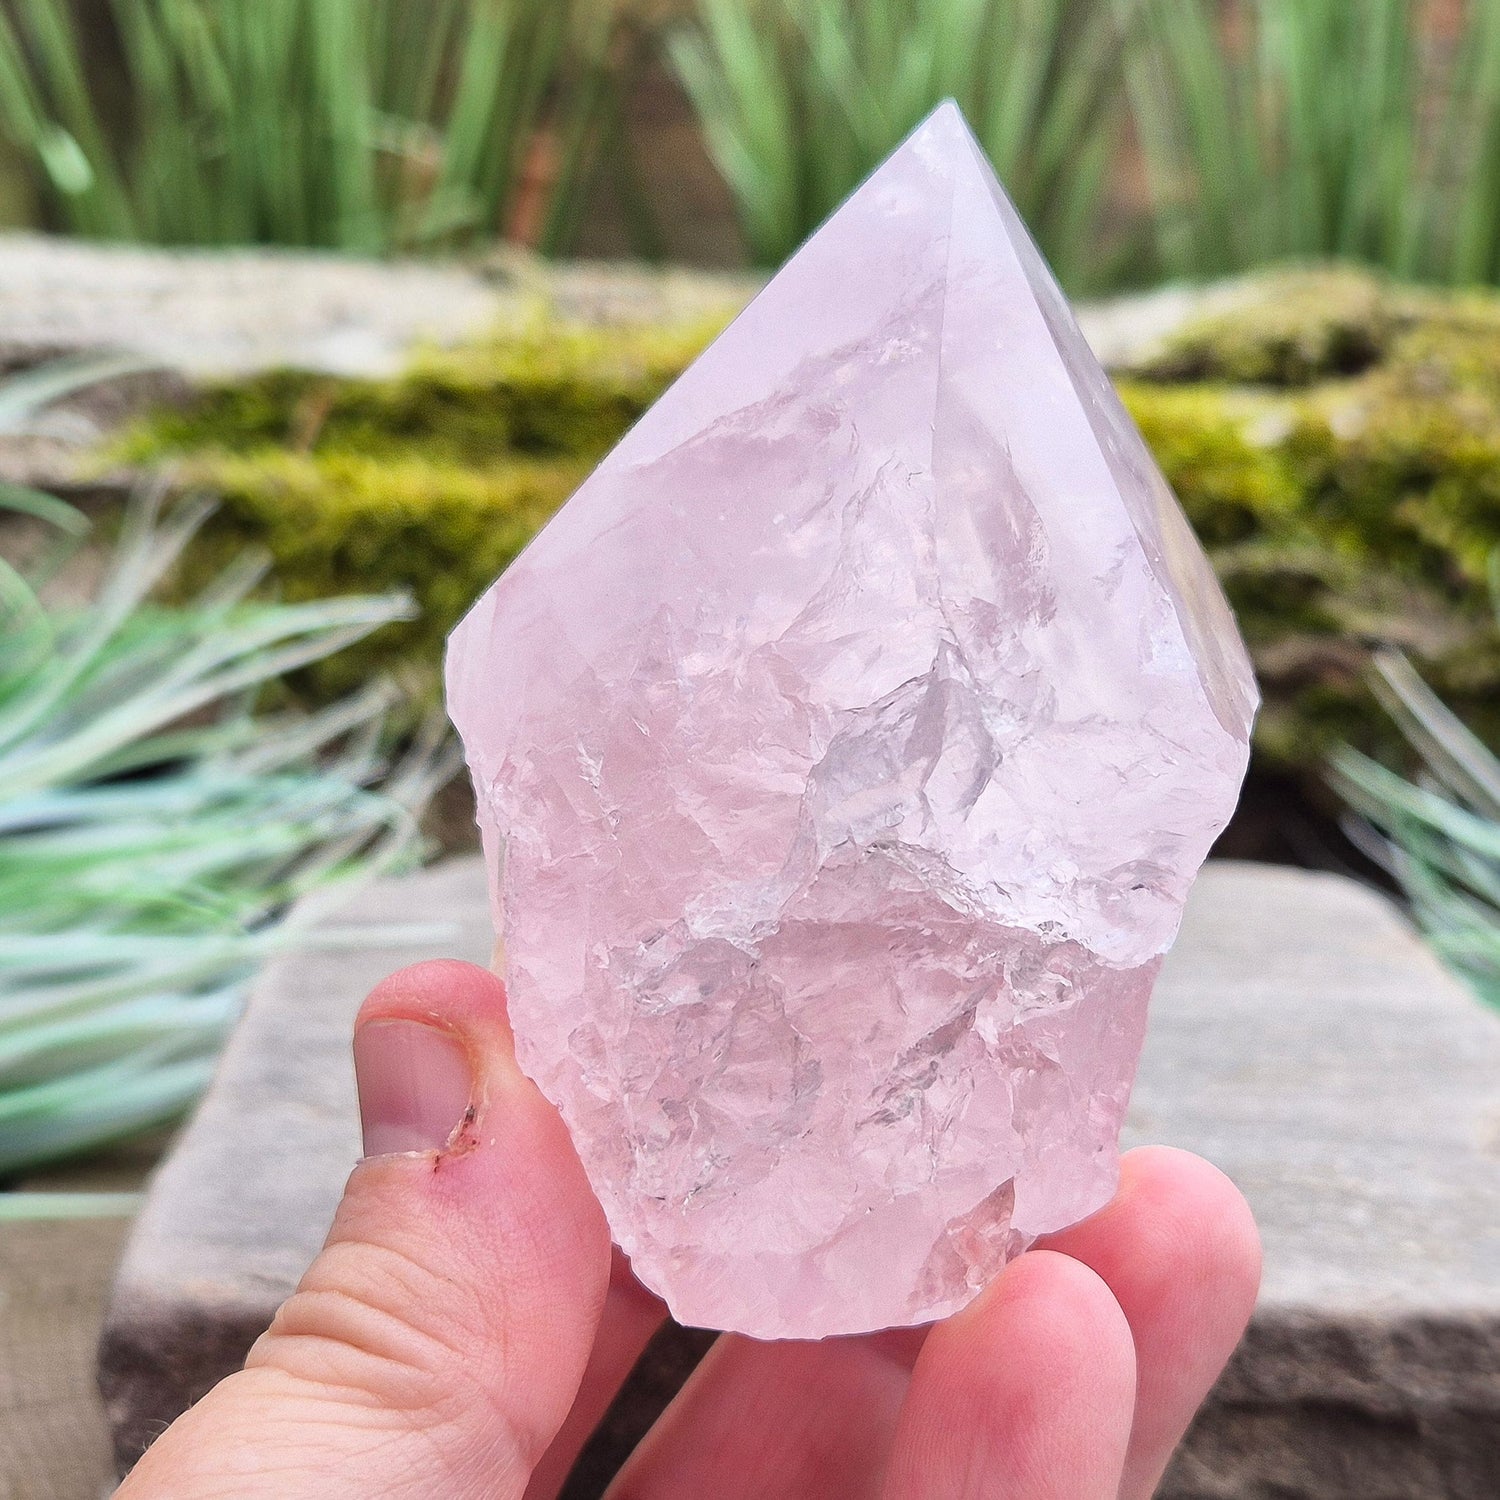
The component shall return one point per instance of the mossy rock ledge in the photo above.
(1334, 438)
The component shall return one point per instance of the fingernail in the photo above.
(415, 1086)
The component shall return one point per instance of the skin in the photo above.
(467, 1323)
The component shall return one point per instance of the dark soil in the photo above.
(1282, 820)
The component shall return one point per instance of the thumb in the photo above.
(437, 1342)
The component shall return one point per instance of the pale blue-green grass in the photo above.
(800, 99)
(1439, 833)
(157, 825)
(359, 125)
(60, 1205)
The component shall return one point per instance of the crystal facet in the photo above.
(844, 751)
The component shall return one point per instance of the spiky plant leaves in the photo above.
(158, 825)
(1439, 834)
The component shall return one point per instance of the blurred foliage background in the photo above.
(368, 126)
(1141, 138)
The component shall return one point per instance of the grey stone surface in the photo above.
(1302, 1038)
(228, 312)
(225, 312)
(1129, 331)
(199, 314)
(1306, 1042)
(234, 312)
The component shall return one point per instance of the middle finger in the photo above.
(786, 1419)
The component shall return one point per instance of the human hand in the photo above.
(466, 1326)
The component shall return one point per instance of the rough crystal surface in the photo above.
(844, 751)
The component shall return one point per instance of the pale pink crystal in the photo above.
(844, 750)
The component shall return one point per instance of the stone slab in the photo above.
(1308, 1043)
(212, 313)
(226, 312)
(1302, 1037)
(209, 313)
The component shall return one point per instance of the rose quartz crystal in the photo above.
(844, 751)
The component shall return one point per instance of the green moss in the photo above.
(431, 481)
(1403, 465)
(545, 393)
(1212, 445)
(346, 522)
(1335, 442)
(1286, 328)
